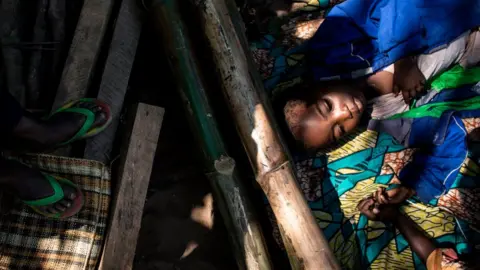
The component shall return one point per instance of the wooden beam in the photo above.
(116, 75)
(243, 89)
(231, 197)
(138, 152)
(82, 56)
(84, 50)
(13, 60)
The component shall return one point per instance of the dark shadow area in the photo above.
(231, 137)
(181, 228)
(35, 41)
(35, 37)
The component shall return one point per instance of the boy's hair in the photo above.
(283, 105)
(290, 112)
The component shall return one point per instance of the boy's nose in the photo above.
(341, 114)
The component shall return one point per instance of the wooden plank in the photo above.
(116, 75)
(13, 60)
(138, 152)
(84, 50)
(34, 68)
(82, 56)
(243, 89)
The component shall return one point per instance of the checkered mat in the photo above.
(30, 241)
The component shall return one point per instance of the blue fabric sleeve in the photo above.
(360, 37)
(435, 166)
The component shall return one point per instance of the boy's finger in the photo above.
(383, 199)
(377, 195)
(396, 90)
(406, 96)
(369, 204)
(361, 205)
(420, 88)
(365, 207)
(413, 93)
(380, 196)
(397, 195)
(392, 193)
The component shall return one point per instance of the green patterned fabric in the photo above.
(455, 77)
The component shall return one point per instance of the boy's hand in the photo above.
(408, 79)
(377, 212)
(393, 196)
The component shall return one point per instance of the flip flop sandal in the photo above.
(57, 196)
(86, 131)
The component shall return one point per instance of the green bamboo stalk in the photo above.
(243, 90)
(244, 229)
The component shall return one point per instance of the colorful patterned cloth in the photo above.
(30, 241)
(353, 171)
(335, 180)
(280, 52)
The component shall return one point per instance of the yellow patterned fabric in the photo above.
(334, 187)
(343, 176)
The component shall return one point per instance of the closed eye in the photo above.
(317, 108)
(329, 104)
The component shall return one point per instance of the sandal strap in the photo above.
(56, 197)
(87, 125)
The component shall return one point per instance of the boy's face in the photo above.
(332, 114)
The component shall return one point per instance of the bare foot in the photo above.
(39, 135)
(408, 79)
(29, 184)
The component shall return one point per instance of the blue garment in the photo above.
(442, 144)
(360, 37)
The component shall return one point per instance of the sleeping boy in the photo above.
(373, 52)
(331, 111)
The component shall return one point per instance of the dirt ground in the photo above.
(180, 227)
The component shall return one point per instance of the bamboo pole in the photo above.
(244, 229)
(242, 86)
